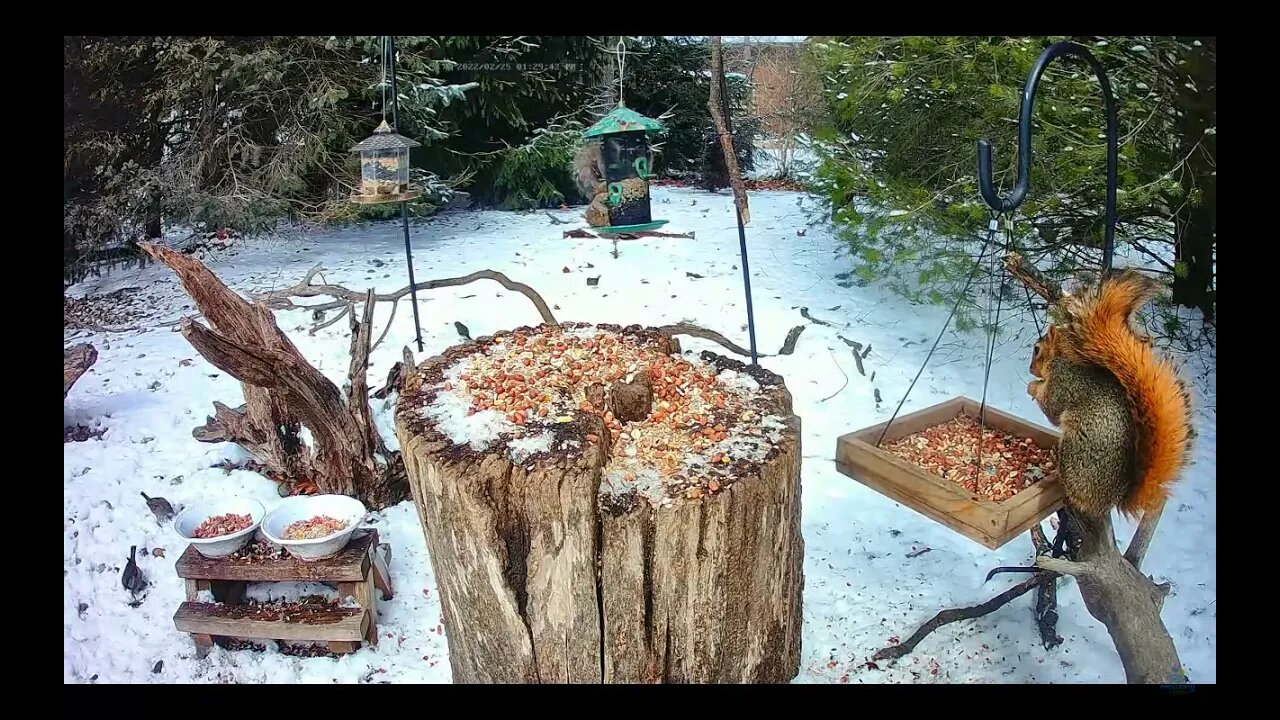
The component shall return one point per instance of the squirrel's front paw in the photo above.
(1033, 388)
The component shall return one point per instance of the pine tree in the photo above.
(898, 161)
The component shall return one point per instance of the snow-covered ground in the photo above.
(865, 582)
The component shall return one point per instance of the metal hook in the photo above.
(1010, 202)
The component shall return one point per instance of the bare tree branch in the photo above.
(1141, 539)
(722, 128)
(280, 299)
(946, 617)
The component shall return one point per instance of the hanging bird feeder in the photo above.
(970, 507)
(624, 138)
(384, 167)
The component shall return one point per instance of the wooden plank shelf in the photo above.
(350, 565)
(218, 620)
(991, 524)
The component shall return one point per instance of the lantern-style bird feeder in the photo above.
(624, 136)
(384, 167)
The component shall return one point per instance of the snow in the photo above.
(523, 447)
(861, 588)
(451, 413)
(738, 382)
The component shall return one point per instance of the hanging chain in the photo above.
(385, 48)
(964, 291)
(622, 66)
(997, 270)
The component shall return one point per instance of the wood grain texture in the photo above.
(350, 565)
(539, 584)
(990, 523)
(212, 619)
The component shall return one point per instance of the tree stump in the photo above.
(598, 509)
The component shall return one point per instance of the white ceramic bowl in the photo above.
(192, 515)
(305, 507)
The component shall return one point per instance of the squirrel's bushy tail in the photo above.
(1098, 323)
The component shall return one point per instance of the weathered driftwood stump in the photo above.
(76, 361)
(598, 509)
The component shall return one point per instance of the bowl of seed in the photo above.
(314, 527)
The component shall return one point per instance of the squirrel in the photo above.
(1124, 414)
(589, 175)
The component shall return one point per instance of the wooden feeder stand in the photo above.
(624, 135)
(990, 523)
(384, 168)
(355, 572)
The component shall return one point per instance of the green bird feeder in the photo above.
(624, 138)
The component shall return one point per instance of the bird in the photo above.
(462, 330)
(159, 507)
(131, 577)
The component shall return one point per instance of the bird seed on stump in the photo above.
(599, 509)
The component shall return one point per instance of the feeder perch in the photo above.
(384, 168)
(991, 524)
(624, 137)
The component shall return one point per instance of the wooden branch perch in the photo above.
(1046, 610)
(1141, 539)
(1114, 590)
(1125, 601)
(1028, 275)
(715, 104)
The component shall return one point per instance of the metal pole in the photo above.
(742, 233)
(404, 206)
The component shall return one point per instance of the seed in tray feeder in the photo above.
(950, 451)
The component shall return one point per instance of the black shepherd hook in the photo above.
(1015, 198)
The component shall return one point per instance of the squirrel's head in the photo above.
(1043, 352)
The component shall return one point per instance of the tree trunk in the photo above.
(1128, 603)
(283, 392)
(545, 579)
(155, 151)
(76, 361)
(1196, 222)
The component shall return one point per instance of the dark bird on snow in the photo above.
(131, 577)
(159, 507)
(462, 330)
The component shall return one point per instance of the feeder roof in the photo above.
(384, 138)
(623, 119)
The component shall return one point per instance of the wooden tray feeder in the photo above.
(990, 523)
(356, 572)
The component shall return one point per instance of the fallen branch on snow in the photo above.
(281, 299)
